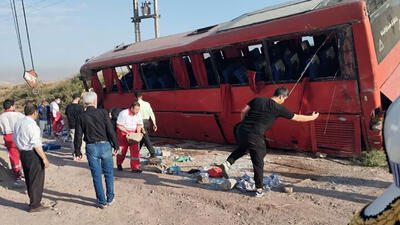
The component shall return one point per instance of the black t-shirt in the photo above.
(262, 115)
(72, 111)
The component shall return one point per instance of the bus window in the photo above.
(256, 61)
(125, 75)
(158, 75)
(212, 74)
(232, 67)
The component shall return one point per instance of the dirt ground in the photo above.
(326, 191)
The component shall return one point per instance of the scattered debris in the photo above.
(202, 178)
(184, 159)
(175, 170)
(193, 171)
(247, 184)
(228, 184)
(215, 172)
(321, 155)
(51, 146)
(288, 190)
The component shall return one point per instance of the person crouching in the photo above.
(129, 121)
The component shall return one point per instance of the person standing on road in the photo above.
(43, 116)
(256, 118)
(72, 111)
(56, 118)
(29, 142)
(7, 121)
(147, 113)
(129, 121)
(99, 135)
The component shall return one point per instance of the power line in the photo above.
(36, 9)
(16, 25)
(27, 35)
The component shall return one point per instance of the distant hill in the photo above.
(46, 90)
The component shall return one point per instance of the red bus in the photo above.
(339, 58)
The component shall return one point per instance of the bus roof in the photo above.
(291, 17)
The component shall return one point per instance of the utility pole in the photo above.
(146, 14)
(136, 20)
(156, 17)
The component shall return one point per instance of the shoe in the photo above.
(259, 193)
(38, 209)
(112, 202)
(119, 167)
(101, 206)
(20, 174)
(137, 171)
(225, 166)
(19, 183)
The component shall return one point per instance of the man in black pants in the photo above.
(72, 111)
(28, 140)
(147, 113)
(257, 117)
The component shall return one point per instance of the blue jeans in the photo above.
(100, 160)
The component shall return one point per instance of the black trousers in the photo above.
(146, 138)
(256, 146)
(33, 168)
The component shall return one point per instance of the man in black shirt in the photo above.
(72, 111)
(257, 117)
(100, 137)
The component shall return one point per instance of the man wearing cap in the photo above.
(72, 111)
(7, 121)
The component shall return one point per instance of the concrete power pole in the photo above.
(136, 20)
(156, 17)
(146, 14)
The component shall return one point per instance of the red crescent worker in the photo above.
(129, 121)
(7, 121)
(56, 118)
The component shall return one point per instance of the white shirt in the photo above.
(128, 120)
(147, 111)
(27, 134)
(8, 120)
(54, 108)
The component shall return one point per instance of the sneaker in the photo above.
(21, 174)
(259, 193)
(19, 183)
(119, 167)
(101, 206)
(38, 209)
(137, 171)
(112, 202)
(225, 166)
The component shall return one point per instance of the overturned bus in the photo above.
(339, 58)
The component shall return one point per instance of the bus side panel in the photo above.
(122, 101)
(201, 127)
(198, 100)
(331, 97)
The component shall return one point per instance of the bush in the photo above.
(373, 158)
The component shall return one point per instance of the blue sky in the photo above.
(66, 32)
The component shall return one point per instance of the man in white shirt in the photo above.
(147, 113)
(56, 118)
(129, 121)
(28, 140)
(7, 121)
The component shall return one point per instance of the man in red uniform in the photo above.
(56, 118)
(129, 121)
(7, 121)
